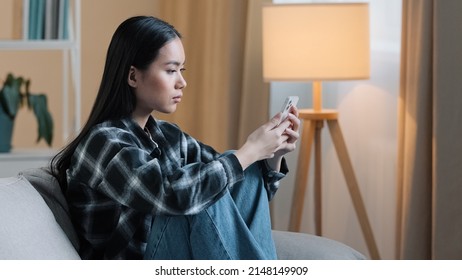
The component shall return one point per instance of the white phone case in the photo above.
(289, 102)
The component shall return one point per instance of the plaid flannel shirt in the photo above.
(120, 177)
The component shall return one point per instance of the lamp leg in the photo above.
(301, 180)
(353, 187)
(318, 177)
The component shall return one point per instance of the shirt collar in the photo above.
(147, 142)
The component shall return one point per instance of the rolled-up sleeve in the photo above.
(272, 177)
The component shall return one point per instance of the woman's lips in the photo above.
(177, 99)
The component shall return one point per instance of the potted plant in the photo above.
(15, 94)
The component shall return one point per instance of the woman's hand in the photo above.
(292, 131)
(293, 135)
(270, 141)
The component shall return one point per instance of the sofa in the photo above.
(35, 224)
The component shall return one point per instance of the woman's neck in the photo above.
(140, 119)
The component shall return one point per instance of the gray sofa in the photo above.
(34, 224)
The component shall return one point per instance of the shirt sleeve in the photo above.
(272, 177)
(119, 169)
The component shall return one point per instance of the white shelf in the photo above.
(27, 155)
(71, 65)
(33, 45)
(11, 164)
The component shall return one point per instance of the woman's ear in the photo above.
(132, 77)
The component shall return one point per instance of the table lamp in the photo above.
(319, 42)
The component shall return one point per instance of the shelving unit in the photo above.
(71, 67)
(71, 64)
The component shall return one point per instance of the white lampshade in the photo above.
(313, 42)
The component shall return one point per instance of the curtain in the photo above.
(222, 41)
(430, 128)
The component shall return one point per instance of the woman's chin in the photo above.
(169, 110)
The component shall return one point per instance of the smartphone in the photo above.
(289, 102)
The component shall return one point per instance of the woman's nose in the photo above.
(181, 83)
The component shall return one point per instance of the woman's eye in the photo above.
(172, 71)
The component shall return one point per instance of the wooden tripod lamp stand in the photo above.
(316, 42)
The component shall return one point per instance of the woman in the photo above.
(141, 188)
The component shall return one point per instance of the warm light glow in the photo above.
(306, 42)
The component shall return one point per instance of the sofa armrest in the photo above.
(28, 228)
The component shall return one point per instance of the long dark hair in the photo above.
(136, 42)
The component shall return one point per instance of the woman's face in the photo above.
(159, 88)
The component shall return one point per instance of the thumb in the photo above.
(274, 122)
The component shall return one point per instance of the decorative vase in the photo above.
(6, 132)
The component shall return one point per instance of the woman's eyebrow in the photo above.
(176, 63)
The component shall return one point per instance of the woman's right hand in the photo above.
(264, 142)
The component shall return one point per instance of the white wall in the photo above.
(368, 118)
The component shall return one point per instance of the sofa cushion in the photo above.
(28, 228)
(48, 187)
(302, 246)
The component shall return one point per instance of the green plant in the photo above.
(15, 94)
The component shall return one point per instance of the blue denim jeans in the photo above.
(236, 227)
